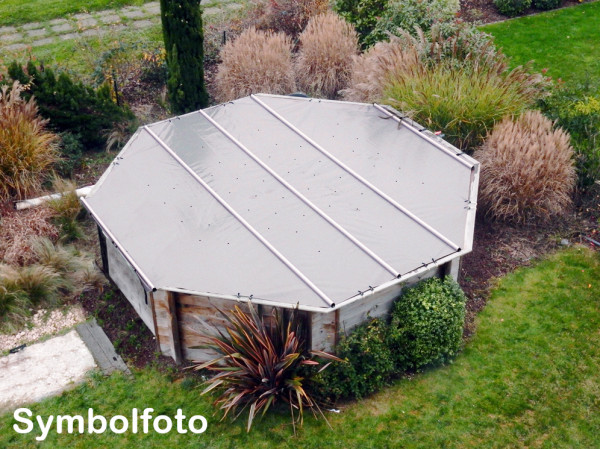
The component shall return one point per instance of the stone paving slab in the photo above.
(110, 18)
(7, 30)
(32, 25)
(36, 33)
(43, 369)
(62, 27)
(45, 41)
(87, 22)
(57, 21)
(80, 25)
(142, 24)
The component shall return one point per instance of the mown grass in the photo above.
(80, 56)
(529, 378)
(564, 41)
(19, 12)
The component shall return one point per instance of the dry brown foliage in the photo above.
(527, 170)
(372, 70)
(290, 16)
(19, 229)
(26, 147)
(324, 62)
(257, 61)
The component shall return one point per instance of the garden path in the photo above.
(96, 23)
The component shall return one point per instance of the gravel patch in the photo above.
(43, 323)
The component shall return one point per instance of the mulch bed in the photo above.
(485, 11)
(500, 248)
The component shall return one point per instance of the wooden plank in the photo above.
(174, 324)
(101, 348)
(167, 330)
(323, 331)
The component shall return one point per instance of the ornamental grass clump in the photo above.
(372, 70)
(256, 62)
(527, 170)
(263, 361)
(27, 148)
(324, 62)
(463, 102)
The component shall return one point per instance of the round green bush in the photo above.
(512, 8)
(427, 324)
(546, 4)
(368, 363)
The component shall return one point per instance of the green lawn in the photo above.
(565, 41)
(529, 378)
(18, 12)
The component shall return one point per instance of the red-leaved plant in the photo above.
(263, 361)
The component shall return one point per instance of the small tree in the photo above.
(183, 36)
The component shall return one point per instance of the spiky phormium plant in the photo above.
(263, 362)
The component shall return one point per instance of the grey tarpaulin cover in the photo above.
(287, 199)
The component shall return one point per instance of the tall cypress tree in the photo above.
(183, 36)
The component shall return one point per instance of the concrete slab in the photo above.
(54, 22)
(134, 14)
(45, 41)
(93, 32)
(7, 30)
(153, 8)
(32, 25)
(142, 24)
(101, 348)
(110, 18)
(11, 38)
(69, 36)
(15, 47)
(62, 27)
(36, 33)
(86, 23)
(43, 369)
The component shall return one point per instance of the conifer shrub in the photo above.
(71, 106)
(184, 44)
(527, 170)
(324, 62)
(27, 148)
(427, 323)
(255, 62)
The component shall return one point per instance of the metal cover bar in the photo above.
(304, 199)
(145, 280)
(375, 189)
(438, 145)
(241, 219)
